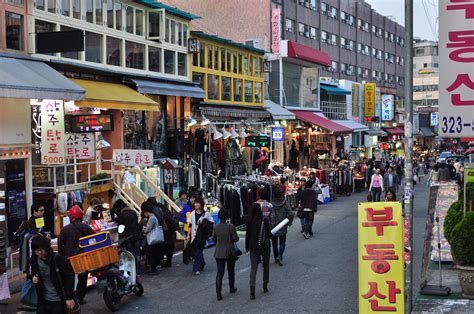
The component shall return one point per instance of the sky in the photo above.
(421, 26)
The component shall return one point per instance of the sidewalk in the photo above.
(454, 303)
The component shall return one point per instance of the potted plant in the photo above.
(462, 249)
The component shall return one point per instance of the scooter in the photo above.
(115, 282)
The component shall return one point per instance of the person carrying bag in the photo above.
(154, 237)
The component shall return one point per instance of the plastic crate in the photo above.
(95, 241)
(94, 259)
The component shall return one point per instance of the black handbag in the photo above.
(300, 213)
(234, 252)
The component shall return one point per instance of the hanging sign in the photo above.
(434, 118)
(355, 100)
(456, 63)
(387, 107)
(257, 141)
(133, 157)
(278, 134)
(276, 30)
(80, 146)
(369, 99)
(381, 258)
(52, 132)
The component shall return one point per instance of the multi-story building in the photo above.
(425, 57)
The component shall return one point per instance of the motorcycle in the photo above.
(116, 281)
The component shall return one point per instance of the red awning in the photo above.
(299, 51)
(322, 122)
(395, 131)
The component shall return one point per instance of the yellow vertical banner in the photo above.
(355, 100)
(369, 99)
(381, 263)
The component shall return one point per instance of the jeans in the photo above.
(376, 192)
(134, 248)
(302, 224)
(221, 270)
(279, 244)
(254, 259)
(199, 262)
(50, 307)
(308, 223)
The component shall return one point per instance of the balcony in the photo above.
(334, 110)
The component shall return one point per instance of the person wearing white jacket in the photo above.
(376, 186)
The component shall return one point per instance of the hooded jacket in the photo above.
(282, 210)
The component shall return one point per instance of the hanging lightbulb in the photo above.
(226, 134)
(242, 133)
(298, 126)
(101, 143)
(234, 134)
(216, 134)
(191, 121)
(205, 121)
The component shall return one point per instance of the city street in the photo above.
(319, 274)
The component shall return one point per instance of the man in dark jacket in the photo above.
(309, 203)
(53, 278)
(68, 245)
(129, 218)
(170, 226)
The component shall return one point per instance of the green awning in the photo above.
(334, 90)
(169, 9)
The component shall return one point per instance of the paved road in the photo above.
(319, 274)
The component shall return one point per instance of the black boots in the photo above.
(252, 293)
(219, 288)
(233, 289)
(265, 287)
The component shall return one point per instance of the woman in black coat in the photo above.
(309, 203)
(257, 242)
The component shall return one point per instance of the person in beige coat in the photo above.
(225, 236)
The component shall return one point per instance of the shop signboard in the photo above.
(257, 141)
(276, 30)
(381, 258)
(434, 118)
(369, 99)
(80, 146)
(278, 134)
(456, 62)
(355, 100)
(387, 107)
(133, 157)
(71, 109)
(90, 123)
(52, 132)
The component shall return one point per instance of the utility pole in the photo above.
(408, 190)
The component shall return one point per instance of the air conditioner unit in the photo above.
(255, 43)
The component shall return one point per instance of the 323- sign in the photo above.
(452, 125)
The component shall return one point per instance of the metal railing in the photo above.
(334, 110)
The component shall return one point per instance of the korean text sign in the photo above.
(387, 107)
(52, 132)
(381, 259)
(369, 99)
(456, 63)
(80, 146)
(133, 157)
(276, 30)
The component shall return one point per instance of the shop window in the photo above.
(216, 58)
(182, 64)
(185, 35)
(114, 47)
(118, 15)
(173, 32)
(98, 12)
(76, 9)
(198, 78)
(129, 20)
(179, 27)
(170, 61)
(229, 61)
(14, 30)
(223, 60)
(167, 30)
(90, 11)
(134, 55)
(154, 59)
(212, 86)
(210, 50)
(139, 22)
(237, 90)
(65, 7)
(110, 13)
(241, 60)
(248, 91)
(226, 81)
(256, 67)
(70, 54)
(39, 4)
(258, 92)
(236, 63)
(93, 47)
(202, 56)
(52, 6)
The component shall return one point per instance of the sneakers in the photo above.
(197, 273)
(278, 261)
(305, 235)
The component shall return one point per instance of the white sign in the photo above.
(434, 119)
(276, 26)
(80, 146)
(52, 132)
(72, 109)
(133, 157)
(456, 68)
(387, 107)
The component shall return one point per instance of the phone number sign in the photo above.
(456, 63)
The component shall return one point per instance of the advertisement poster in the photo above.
(355, 100)
(387, 107)
(52, 132)
(369, 99)
(381, 258)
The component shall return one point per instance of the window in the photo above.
(210, 50)
(374, 52)
(173, 32)
(93, 47)
(185, 36)
(170, 61)
(237, 90)
(343, 68)
(289, 25)
(216, 58)
(39, 4)
(241, 60)
(425, 65)
(98, 12)
(343, 42)
(167, 31)
(351, 20)
(76, 9)
(226, 81)
(65, 8)
(202, 56)
(179, 28)
(110, 13)
(229, 61)
(324, 8)
(301, 29)
(42, 26)
(199, 79)
(333, 66)
(212, 86)
(435, 65)
(14, 31)
(313, 5)
(350, 45)
(129, 20)
(139, 22)
(359, 23)
(71, 54)
(313, 32)
(324, 36)
(118, 15)
(114, 49)
(334, 39)
(182, 64)
(343, 16)
(246, 66)
(248, 91)
(236, 63)
(52, 6)
(359, 47)
(90, 11)
(257, 92)
(223, 59)
(154, 59)
(366, 26)
(134, 53)
(334, 13)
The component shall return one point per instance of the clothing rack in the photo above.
(259, 180)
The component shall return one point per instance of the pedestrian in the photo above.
(53, 278)
(117, 207)
(36, 221)
(298, 200)
(198, 217)
(225, 236)
(309, 203)
(390, 180)
(443, 174)
(68, 245)
(153, 251)
(282, 210)
(376, 186)
(257, 242)
(93, 211)
(182, 199)
(267, 207)
(129, 218)
(434, 174)
(391, 196)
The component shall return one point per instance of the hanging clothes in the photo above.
(200, 136)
